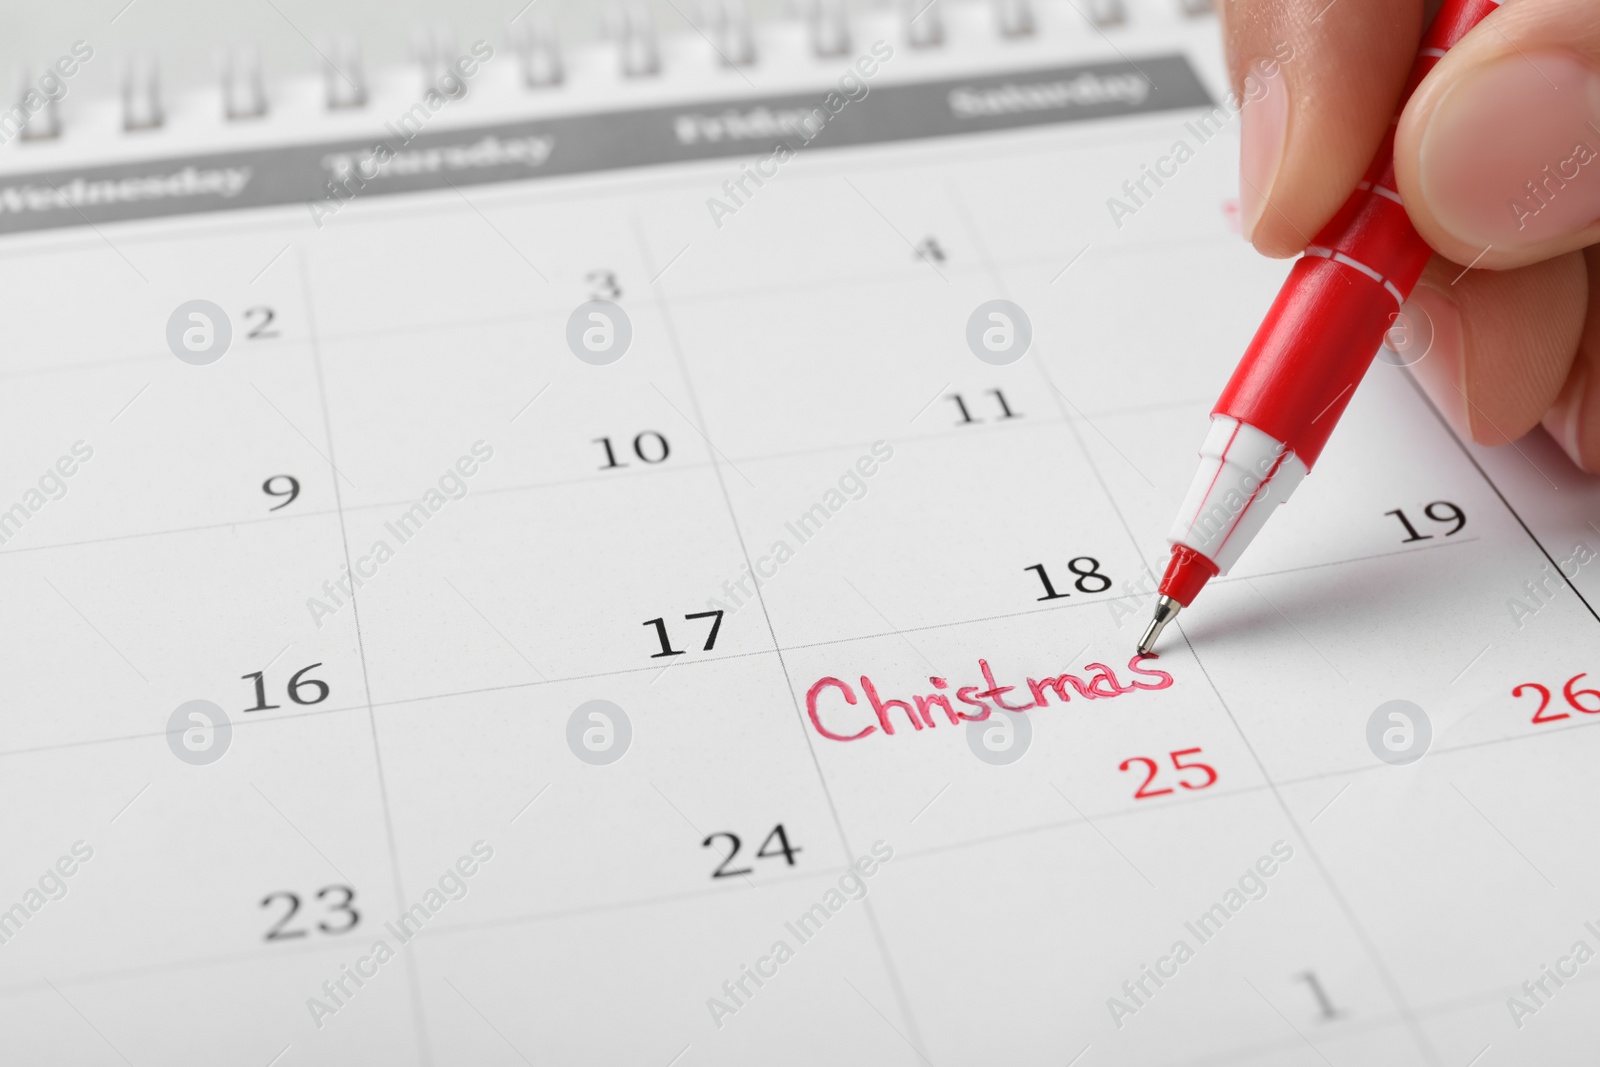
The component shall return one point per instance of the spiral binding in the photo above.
(725, 24)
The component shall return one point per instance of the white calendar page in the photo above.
(397, 829)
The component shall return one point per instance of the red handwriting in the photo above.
(836, 697)
(1575, 699)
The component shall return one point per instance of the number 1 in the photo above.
(1328, 1010)
(1049, 590)
(261, 693)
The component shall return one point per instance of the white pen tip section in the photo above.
(1244, 474)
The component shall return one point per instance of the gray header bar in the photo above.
(403, 160)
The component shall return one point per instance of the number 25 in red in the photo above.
(1152, 769)
(1575, 699)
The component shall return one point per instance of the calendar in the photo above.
(634, 555)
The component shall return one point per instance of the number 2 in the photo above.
(722, 868)
(277, 933)
(261, 330)
(1544, 702)
(1144, 790)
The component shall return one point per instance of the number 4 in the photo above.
(783, 842)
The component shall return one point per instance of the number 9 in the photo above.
(291, 492)
(1451, 514)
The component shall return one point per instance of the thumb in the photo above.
(1498, 153)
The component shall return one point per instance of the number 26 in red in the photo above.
(1573, 699)
(1152, 769)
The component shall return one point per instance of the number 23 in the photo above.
(278, 933)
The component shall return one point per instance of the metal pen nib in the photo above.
(1166, 610)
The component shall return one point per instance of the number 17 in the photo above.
(666, 643)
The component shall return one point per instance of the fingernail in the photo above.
(1511, 154)
(1264, 129)
(1564, 420)
(1442, 368)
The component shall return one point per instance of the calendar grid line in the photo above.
(1053, 826)
(727, 657)
(788, 287)
(597, 477)
(1465, 451)
(419, 1018)
(1057, 397)
(1371, 948)
(791, 324)
(1362, 770)
(1391, 1020)
(467, 928)
(1373, 955)
(456, 326)
(722, 294)
(1353, 1026)
(1261, 767)
(1385, 973)
(890, 969)
(1337, 773)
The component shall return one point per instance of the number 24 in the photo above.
(784, 849)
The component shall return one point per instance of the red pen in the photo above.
(1329, 320)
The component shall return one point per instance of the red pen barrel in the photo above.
(1340, 299)
(1328, 322)
(1303, 366)
(1307, 358)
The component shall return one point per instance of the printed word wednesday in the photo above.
(1101, 684)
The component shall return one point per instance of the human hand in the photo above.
(1497, 157)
